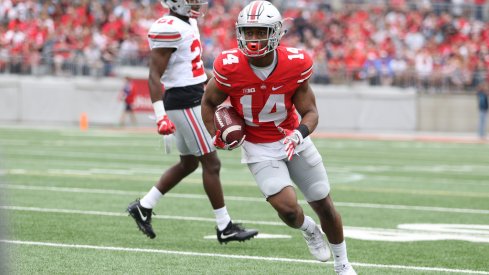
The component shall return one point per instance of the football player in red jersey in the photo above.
(175, 62)
(267, 84)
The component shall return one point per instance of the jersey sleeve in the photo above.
(306, 67)
(221, 75)
(164, 34)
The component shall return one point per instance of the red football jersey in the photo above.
(264, 104)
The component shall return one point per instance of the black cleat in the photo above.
(235, 232)
(142, 216)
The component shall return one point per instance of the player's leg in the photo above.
(285, 203)
(308, 172)
(122, 119)
(176, 173)
(330, 219)
(274, 182)
(141, 210)
(211, 166)
(132, 116)
(199, 143)
(332, 226)
(226, 230)
(273, 179)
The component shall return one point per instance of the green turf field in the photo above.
(407, 208)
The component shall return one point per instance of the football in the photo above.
(231, 125)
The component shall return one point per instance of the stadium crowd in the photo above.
(432, 44)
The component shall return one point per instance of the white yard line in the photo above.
(62, 151)
(241, 257)
(238, 198)
(119, 214)
(80, 154)
(169, 217)
(69, 165)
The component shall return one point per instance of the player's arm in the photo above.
(209, 75)
(305, 103)
(212, 98)
(158, 62)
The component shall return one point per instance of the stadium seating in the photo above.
(437, 45)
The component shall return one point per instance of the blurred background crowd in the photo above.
(436, 46)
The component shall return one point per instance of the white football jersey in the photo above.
(185, 67)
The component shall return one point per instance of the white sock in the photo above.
(339, 253)
(309, 225)
(151, 199)
(222, 217)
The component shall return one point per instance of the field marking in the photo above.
(330, 137)
(131, 155)
(123, 214)
(450, 139)
(93, 155)
(259, 236)
(354, 172)
(343, 179)
(355, 188)
(438, 181)
(241, 257)
(77, 143)
(340, 175)
(418, 192)
(136, 178)
(238, 198)
(127, 155)
(474, 233)
(379, 167)
(404, 232)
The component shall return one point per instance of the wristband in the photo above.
(303, 130)
(159, 109)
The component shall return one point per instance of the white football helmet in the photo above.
(262, 14)
(189, 8)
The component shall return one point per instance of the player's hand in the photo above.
(165, 126)
(221, 144)
(291, 140)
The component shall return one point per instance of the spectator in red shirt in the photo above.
(128, 95)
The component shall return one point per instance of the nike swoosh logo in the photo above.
(227, 236)
(143, 217)
(276, 88)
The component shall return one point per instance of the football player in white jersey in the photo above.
(175, 62)
(268, 85)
